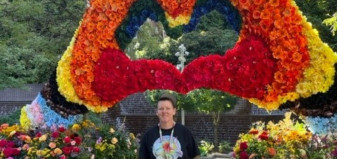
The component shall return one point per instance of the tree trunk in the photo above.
(216, 118)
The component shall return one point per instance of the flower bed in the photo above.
(286, 139)
(81, 140)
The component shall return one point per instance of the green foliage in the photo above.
(205, 147)
(12, 118)
(213, 19)
(201, 100)
(316, 11)
(211, 36)
(332, 22)
(95, 118)
(213, 41)
(208, 101)
(23, 65)
(225, 147)
(33, 35)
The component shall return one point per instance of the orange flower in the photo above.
(266, 13)
(258, 2)
(279, 77)
(274, 3)
(271, 151)
(245, 4)
(278, 23)
(297, 57)
(274, 35)
(256, 14)
(254, 131)
(235, 2)
(265, 24)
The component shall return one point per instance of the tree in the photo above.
(33, 35)
(316, 11)
(23, 65)
(211, 102)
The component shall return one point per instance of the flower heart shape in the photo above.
(275, 60)
(116, 76)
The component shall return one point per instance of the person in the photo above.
(168, 139)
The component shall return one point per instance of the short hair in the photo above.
(169, 97)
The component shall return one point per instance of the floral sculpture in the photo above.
(279, 60)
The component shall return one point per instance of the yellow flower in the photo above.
(87, 123)
(180, 20)
(12, 133)
(114, 140)
(101, 146)
(43, 152)
(24, 120)
(112, 130)
(76, 127)
(132, 136)
(43, 138)
(58, 151)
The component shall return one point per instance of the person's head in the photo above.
(166, 107)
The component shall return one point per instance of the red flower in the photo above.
(76, 149)
(67, 150)
(67, 140)
(55, 134)
(3, 143)
(11, 152)
(7, 152)
(264, 136)
(253, 132)
(78, 140)
(10, 144)
(62, 129)
(244, 155)
(63, 157)
(243, 146)
(38, 134)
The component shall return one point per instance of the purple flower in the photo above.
(334, 153)
(99, 140)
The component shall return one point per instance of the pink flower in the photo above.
(334, 153)
(25, 147)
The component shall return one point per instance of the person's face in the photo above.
(165, 111)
